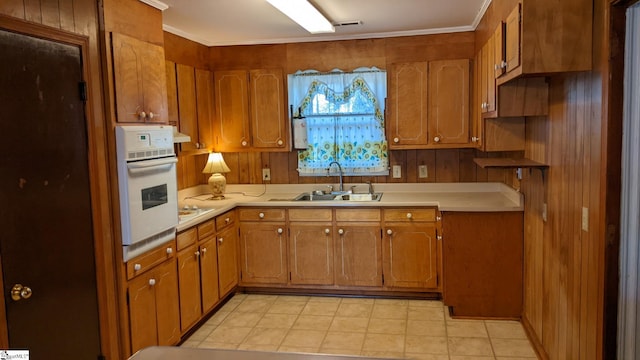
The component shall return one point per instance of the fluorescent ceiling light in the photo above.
(302, 12)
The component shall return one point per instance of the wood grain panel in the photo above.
(185, 51)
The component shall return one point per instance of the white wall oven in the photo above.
(148, 188)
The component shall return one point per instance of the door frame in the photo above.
(99, 183)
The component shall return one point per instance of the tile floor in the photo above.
(415, 329)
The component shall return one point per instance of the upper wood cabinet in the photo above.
(250, 109)
(428, 104)
(547, 36)
(139, 80)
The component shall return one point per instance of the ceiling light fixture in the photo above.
(302, 12)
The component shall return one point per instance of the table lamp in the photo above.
(217, 182)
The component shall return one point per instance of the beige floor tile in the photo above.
(415, 356)
(383, 354)
(258, 347)
(505, 330)
(277, 321)
(469, 346)
(467, 329)
(455, 357)
(387, 326)
(291, 298)
(426, 328)
(339, 351)
(348, 324)
(230, 306)
(298, 349)
(356, 300)
(265, 336)
(426, 345)
(191, 343)
(240, 319)
(304, 338)
(384, 311)
(293, 308)
(313, 322)
(202, 333)
(320, 308)
(255, 305)
(228, 335)
(512, 347)
(217, 345)
(384, 342)
(343, 341)
(425, 303)
(397, 302)
(425, 313)
(217, 318)
(266, 297)
(354, 310)
(515, 358)
(325, 299)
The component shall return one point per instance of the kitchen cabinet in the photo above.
(483, 269)
(428, 104)
(311, 247)
(358, 248)
(189, 286)
(139, 80)
(410, 252)
(227, 251)
(448, 102)
(172, 93)
(536, 45)
(152, 290)
(250, 108)
(263, 246)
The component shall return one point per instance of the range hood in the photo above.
(179, 137)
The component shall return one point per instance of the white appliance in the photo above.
(148, 187)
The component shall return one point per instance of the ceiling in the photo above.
(247, 22)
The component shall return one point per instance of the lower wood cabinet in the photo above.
(154, 316)
(358, 248)
(227, 245)
(311, 247)
(263, 246)
(189, 280)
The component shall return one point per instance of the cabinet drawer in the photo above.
(148, 260)
(262, 214)
(225, 219)
(310, 215)
(409, 214)
(205, 229)
(187, 238)
(357, 214)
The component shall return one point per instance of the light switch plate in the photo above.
(397, 171)
(266, 174)
(422, 171)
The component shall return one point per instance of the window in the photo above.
(339, 117)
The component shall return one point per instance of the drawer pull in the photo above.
(220, 240)
(204, 251)
(438, 218)
(152, 282)
(341, 231)
(169, 251)
(280, 230)
(261, 215)
(227, 220)
(137, 267)
(389, 231)
(327, 231)
(409, 215)
(439, 237)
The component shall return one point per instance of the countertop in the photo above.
(458, 197)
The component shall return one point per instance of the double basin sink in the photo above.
(338, 196)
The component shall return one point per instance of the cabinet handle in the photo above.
(142, 115)
(396, 140)
(197, 145)
(280, 230)
(220, 240)
(475, 139)
(340, 231)
(439, 237)
(137, 267)
(197, 253)
(151, 115)
(389, 231)
(169, 251)
(438, 218)
(261, 215)
(244, 143)
(409, 215)
(204, 251)
(327, 231)
(280, 142)
(152, 282)
(436, 139)
(496, 67)
(227, 220)
(503, 64)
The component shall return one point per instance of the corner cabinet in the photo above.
(250, 111)
(428, 105)
(139, 80)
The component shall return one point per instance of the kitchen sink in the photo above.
(338, 197)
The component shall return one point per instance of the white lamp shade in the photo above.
(215, 164)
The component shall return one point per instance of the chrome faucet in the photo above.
(370, 187)
(340, 170)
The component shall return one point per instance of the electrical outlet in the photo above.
(422, 171)
(585, 219)
(397, 171)
(266, 174)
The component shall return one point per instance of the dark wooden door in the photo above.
(45, 204)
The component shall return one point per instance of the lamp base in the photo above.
(217, 184)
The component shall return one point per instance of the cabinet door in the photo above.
(172, 93)
(311, 253)
(231, 131)
(449, 102)
(204, 104)
(189, 284)
(154, 83)
(409, 256)
(358, 254)
(142, 312)
(407, 106)
(263, 251)
(500, 65)
(187, 105)
(227, 260)
(167, 304)
(209, 273)
(512, 39)
(268, 109)
(488, 64)
(127, 72)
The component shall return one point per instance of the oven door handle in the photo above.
(152, 163)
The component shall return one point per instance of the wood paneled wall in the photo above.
(82, 17)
